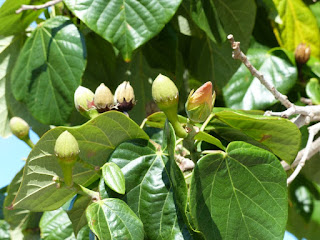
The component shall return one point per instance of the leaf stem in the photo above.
(206, 122)
(29, 142)
(95, 196)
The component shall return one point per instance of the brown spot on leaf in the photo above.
(265, 137)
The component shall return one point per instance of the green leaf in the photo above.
(97, 139)
(56, 225)
(203, 136)
(265, 132)
(158, 120)
(127, 24)
(313, 90)
(77, 214)
(314, 65)
(12, 23)
(49, 69)
(4, 230)
(245, 91)
(240, 194)
(111, 218)
(113, 177)
(211, 61)
(296, 24)
(149, 189)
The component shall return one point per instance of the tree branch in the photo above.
(313, 130)
(37, 7)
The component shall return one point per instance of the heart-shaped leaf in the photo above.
(245, 91)
(49, 69)
(127, 24)
(149, 189)
(240, 194)
(296, 24)
(97, 139)
(56, 225)
(113, 177)
(111, 218)
(313, 90)
(265, 132)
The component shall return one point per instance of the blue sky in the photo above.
(14, 152)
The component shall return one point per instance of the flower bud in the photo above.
(103, 98)
(200, 103)
(124, 97)
(165, 93)
(67, 150)
(84, 103)
(302, 54)
(19, 128)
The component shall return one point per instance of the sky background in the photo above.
(14, 152)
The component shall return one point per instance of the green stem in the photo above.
(179, 130)
(95, 196)
(29, 142)
(67, 174)
(143, 123)
(93, 113)
(206, 122)
(189, 144)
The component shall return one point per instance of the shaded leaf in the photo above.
(296, 24)
(113, 177)
(126, 24)
(97, 139)
(49, 69)
(203, 136)
(313, 90)
(227, 205)
(12, 23)
(265, 132)
(56, 225)
(149, 189)
(4, 230)
(111, 218)
(245, 91)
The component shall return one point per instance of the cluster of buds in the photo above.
(91, 104)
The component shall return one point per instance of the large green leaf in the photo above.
(313, 90)
(211, 61)
(97, 139)
(240, 194)
(56, 225)
(296, 24)
(49, 69)
(245, 91)
(127, 24)
(149, 189)
(12, 23)
(111, 218)
(265, 132)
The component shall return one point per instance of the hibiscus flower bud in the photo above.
(103, 98)
(84, 103)
(124, 97)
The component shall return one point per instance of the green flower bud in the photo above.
(124, 97)
(103, 98)
(84, 103)
(166, 95)
(67, 151)
(19, 128)
(200, 103)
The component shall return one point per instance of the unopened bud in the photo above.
(166, 95)
(164, 92)
(124, 97)
(200, 103)
(84, 103)
(103, 98)
(19, 128)
(67, 151)
(302, 54)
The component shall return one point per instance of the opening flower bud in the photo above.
(166, 95)
(302, 54)
(124, 97)
(84, 103)
(200, 103)
(19, 128)
(67, 151)
(103, 98)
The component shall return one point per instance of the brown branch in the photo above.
(37, 7)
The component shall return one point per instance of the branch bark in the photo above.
(37, 7)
